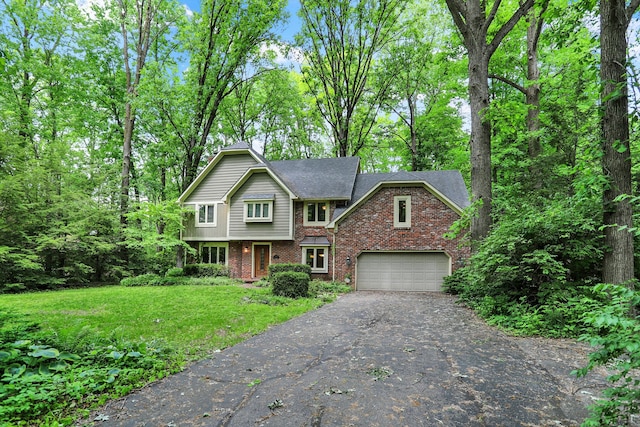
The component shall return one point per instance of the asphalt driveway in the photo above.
(371, 359)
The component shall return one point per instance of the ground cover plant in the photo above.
(62, 352)
(538, 273)
(615, 335)
(534, 274)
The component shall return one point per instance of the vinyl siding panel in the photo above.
(279, 229)
(219, 232)
(227, 172)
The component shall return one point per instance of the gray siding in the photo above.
(279, 229)
(221, 178)
(219, 232)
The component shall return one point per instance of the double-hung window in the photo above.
(402, 211)
(316, 213)
(214, 253)
(206, 215)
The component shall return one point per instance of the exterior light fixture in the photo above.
(348, 261)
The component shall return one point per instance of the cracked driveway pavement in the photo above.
(370, 359)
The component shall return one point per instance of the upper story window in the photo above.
(258, 210)
(206, 215)
(316, 213)
(402, 211)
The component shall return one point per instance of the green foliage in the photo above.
(174, 272)
(156, 250)
(210, 281)
(292, 284)
(267, 299)
(206, 270)
(279, 268)
(533, 249)
(616, 339)
(327, 291)
(42, 374)
(531, 275)
(151, 279)
(341, 39)
(319, 287)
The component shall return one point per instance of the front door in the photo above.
(261, 256)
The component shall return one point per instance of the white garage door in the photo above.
(402, 271)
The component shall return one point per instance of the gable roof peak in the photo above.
(237, 146)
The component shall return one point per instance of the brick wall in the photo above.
(283, 251)
(235, 259)
(370, 228)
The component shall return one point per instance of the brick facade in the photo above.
(370, 228)
(286, 251)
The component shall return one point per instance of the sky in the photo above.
(291, 28)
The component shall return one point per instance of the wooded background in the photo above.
(108, 110)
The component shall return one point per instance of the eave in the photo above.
(444, 199)
(203, 174)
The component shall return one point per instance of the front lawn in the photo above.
(192, 319)
(122, 337)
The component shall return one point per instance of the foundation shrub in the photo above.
(292, 284)
(300, 268)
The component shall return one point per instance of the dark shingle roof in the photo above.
(244, 146)
(450, 183)
(237, 146)
(324, 179)
(338, 179)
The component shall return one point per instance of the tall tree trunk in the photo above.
(145, 13)
(473, 19)
(480, 143)
(532, 94)
(125, 179)
(618, 265)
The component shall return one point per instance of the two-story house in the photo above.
(377, 231)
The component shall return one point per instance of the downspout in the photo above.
(333, 255)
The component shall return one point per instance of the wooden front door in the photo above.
(261, 257)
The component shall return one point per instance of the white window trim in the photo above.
(215, 214)
(215, 245)
(255, 202)
(325, 269)
(396, 212)
(306, 223)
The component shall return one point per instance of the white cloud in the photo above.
(188, 11)
(87, 7)
(283, 54)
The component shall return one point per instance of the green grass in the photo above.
(64, 352)
(193, 319)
